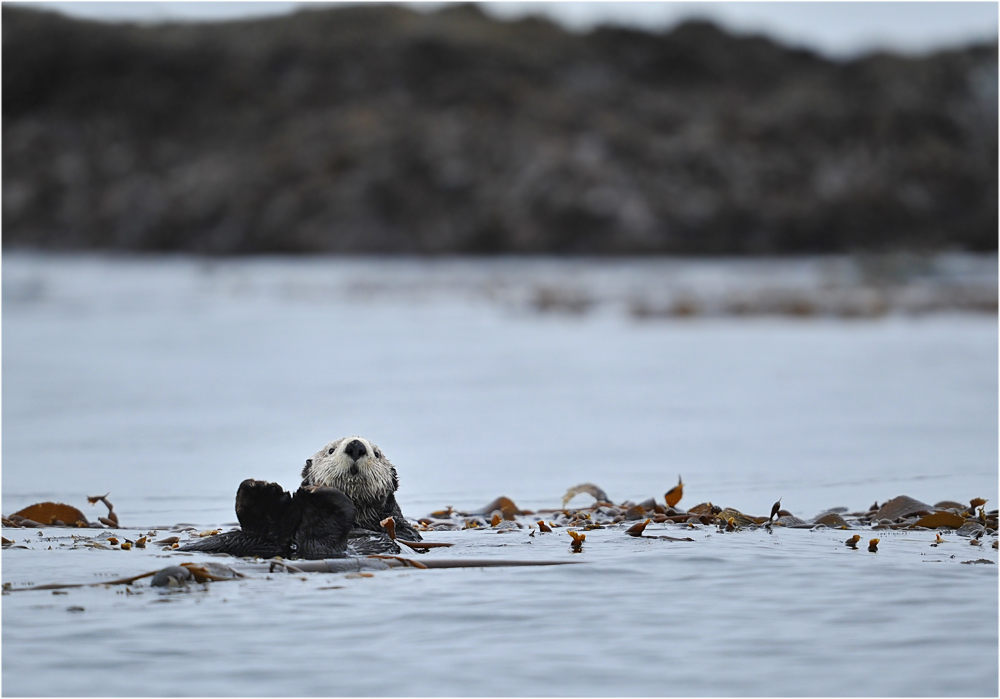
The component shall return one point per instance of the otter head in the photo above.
(355, 466)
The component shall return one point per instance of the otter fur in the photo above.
(347, 489)
(360, 470)
(313, 523)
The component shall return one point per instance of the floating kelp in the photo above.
(832, 520)
(56, 514)
(506, 518)
(199, 572)
(212, 571)
(635, 512)
(738, 518)
(674, 495)
(590, 489)
(775, 508)
(705, 508)
(942, 518)
(505, 506)
(902, 506)
(48, 514)
(637, 529)
(112, 519)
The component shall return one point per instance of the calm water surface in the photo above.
(166, 382)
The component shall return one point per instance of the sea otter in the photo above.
(348, 489)
(361, 471)
(315, 522)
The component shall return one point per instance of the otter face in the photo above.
(355, 466)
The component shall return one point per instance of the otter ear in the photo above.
(309, 462)
(305, 472)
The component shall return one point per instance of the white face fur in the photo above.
(359, 478)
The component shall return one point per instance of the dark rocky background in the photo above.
(378, 129)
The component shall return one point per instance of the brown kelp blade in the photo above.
(637, 529)
(345, 565)
(673, 496)
(589, 488)
(423, 544)
(53, 514)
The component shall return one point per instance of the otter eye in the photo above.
(331, 450)
(309, 462)
(378, 454)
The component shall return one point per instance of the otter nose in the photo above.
(355, 449)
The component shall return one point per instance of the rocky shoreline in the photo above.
(377, 129)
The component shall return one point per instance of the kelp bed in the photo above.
(967, 523)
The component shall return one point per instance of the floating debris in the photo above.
(832, 520)
(174, 576)
(705, 508)
(112, 519)
(902, 506)
(774, 510)
(408, 562)
(739, 519)
(942, 518)
(504, 505)
(49, 514)
(873, 545)
(674, 495)
(577, 543)
(635, 512)
(853, 541)
(588, 488)
(544, 528)
(939, 540)
(637, 529)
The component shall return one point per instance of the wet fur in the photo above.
(313, 523)
(372, 488)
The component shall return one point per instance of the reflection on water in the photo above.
(167, 381)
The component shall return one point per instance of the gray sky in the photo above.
(839, 29)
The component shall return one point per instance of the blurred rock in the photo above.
(374, 128)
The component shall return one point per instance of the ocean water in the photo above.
(167, 381)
